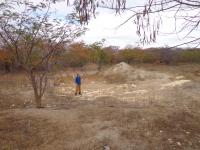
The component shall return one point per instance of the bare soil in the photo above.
(114, 112)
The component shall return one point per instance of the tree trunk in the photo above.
(38, 88)
(38, 101)
(7, 67)
(39, 84)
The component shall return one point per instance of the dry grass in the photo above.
(19, 132)
(114, 78)
(157, 119)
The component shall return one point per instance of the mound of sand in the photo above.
(124, 72)
(120, 68)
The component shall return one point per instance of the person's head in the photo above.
(77, 74)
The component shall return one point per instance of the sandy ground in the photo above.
(153, 113)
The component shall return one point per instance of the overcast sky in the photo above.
(104, 26)
(106, 23)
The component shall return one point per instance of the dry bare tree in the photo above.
(148, 17)
(34, 37)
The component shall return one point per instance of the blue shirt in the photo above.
(78, 80)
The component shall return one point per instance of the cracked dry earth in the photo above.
(148, 114)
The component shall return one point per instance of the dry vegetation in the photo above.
(160, 112)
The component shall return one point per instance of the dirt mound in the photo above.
(123, 72)
(118, 73)
(120, 68)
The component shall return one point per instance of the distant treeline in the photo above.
(80, 54)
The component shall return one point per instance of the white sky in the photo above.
(105, 26)
(105, 23)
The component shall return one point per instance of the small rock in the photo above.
(187, 132)
(133, 85)
(170, 140)
(190, 143)
(179, 77)
(178, 143)
(13, 105)
(106, 147)
(48, 106)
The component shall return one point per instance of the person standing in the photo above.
(78, 84)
